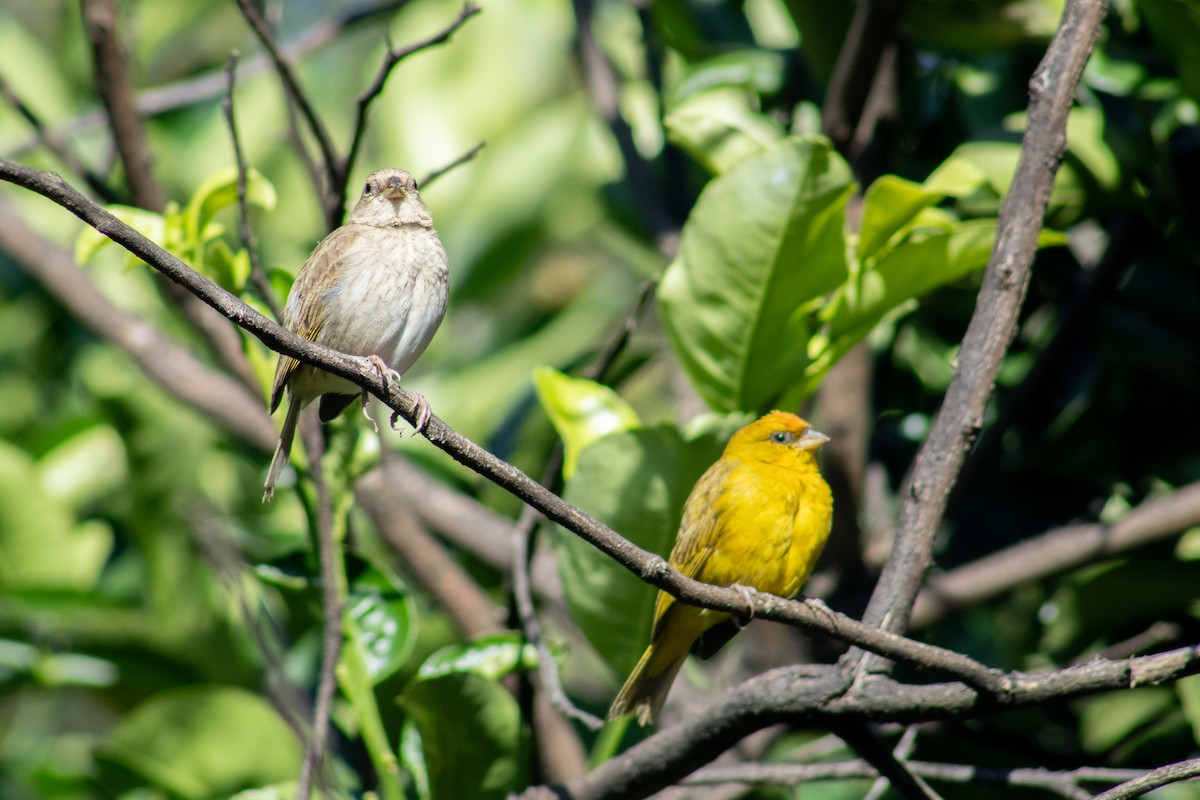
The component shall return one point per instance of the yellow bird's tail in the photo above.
(644, 693)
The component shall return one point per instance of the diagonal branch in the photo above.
(650, 567)
(994, 321)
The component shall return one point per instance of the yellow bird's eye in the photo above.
(783, 437)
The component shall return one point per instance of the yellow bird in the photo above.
(758, 517)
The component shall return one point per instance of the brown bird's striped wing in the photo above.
(303, 313)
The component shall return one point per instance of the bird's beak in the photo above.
(811, 440)
(394, 188)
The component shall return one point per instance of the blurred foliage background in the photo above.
(160, 629)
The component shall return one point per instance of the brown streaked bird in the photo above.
(376, 287)
(757, 518)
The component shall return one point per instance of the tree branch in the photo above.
(651, 568)
(993, 323)
(1171, 773)
(1055, 552)
(372, 92)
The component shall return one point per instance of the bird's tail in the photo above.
(283, 449)
(646, 690)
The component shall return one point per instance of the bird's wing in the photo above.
(301, 314)
(698, 532)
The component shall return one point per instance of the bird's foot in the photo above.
(424, 414)
(739, 620)
(386, 376)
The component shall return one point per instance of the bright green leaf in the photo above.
(41, 547)
(764, 241)
(890, 205)
(380, 625)
(582, 411)
(219, 192)
(492, 656)
(472, 738)
(759, 70)
(1188, 690)
(205, 741)
(720, 129)
(1109, 719)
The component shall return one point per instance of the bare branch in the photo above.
(993, 323)
(299, 99)
(57, 147)
(1055, 552)
(651, 568)
(458, 162)
(1171, 773)
(818, 695)
(258, 276)
(1067, 783)
(372, 92)
(332, 603)
(115, 87)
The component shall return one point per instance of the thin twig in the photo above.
(258, 275)
(457, 162)
(1066, 783)
(299, 99)
(331, 604)
(1171, 773)
(57, 147)
(1056, 552)
(371, 93)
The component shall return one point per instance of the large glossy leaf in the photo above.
(764, 241)
(380, 625)
(492, 657)
(635, 482)
(204, 741)
(472, 741)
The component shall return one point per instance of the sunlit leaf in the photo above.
(582, 411)
(764, 240)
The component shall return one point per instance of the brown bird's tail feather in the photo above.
(283, 449)
(643, 694)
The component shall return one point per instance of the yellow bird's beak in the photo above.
(811, 440)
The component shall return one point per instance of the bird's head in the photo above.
(389, 197)
(777, 437)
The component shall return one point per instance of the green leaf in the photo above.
(380, 625)
(582, 411)
(720, 129)
(204, 741)
(1188, 690)
(492, 656)
(219, 191)
(472, 741)
(1110, 719)
(41, 547)
(764, 241)
(1176, 25)
(147, 223)
(890, 205)
(636, 483)
(759, 70)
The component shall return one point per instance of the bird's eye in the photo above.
(783, 437)
(368, 189)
